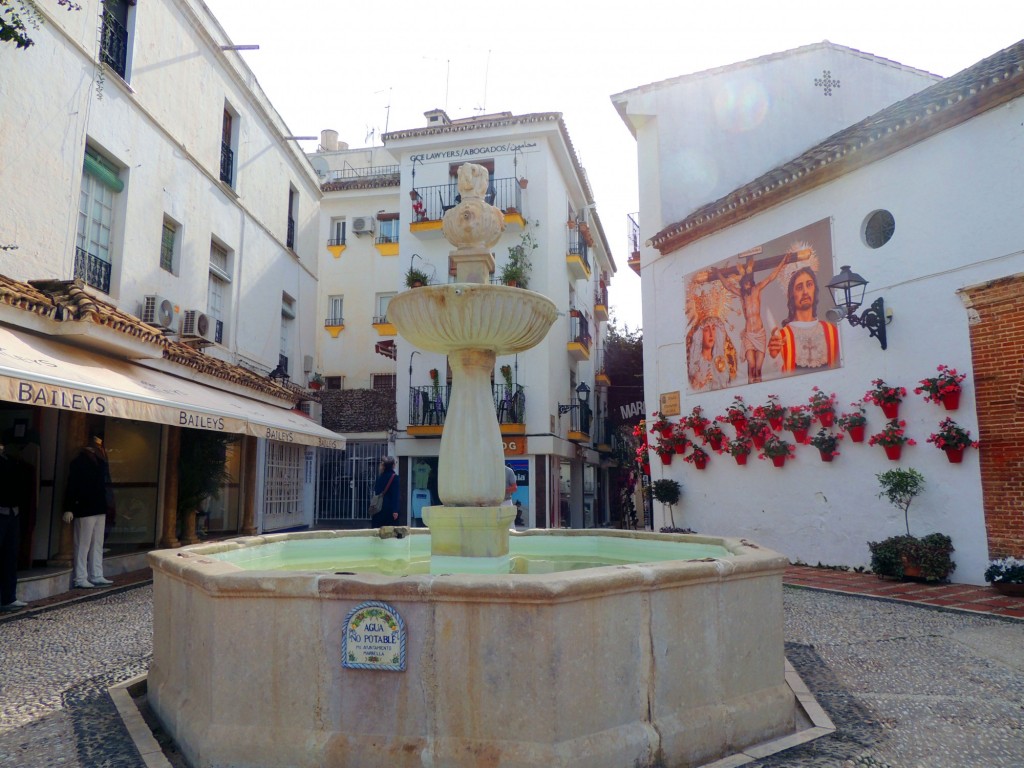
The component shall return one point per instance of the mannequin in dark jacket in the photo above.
(88, 499)
(387, 483)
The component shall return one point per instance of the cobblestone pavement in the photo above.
(907, 686)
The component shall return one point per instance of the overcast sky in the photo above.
(363, 68)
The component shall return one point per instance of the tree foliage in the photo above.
(18, 16)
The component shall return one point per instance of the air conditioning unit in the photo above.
(158, 311)
(196, 325)
(362, 225)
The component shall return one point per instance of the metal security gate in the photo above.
(345, 483)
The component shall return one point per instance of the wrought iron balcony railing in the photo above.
(334, 321)
(505, 194)
(428, 406)
(227, 164)
(579, 329)
(290, 242)
(114, 44)
(359, 173)
(92, 269)
(509, 403)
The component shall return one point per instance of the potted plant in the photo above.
(1006, 575)
(853, 422)
(202, 471)
(736, 414)
(758, 430)
(944, 388)
(953, 439)
(826, 443)
(661, 425)
(516, 271)
(316, 381)
(885, 397)
(696, 421)
(902, 556)
(713, 435)
(776, 449)
(772, 411)
(679, 441)
(523, 181)
(892, 437)
(667, 492)
(435, 385)
(698, 457)
(665, 451)
(823, 407)
(798, 421)
(506, 374)
(739, 449)
(414, 278)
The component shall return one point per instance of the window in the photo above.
(333, 382)
(169, 246)
(335, 313)
(218, 295)
(115, 35)
(282, 501)
(228, 143)
(337, 233)
(388, 232)
(287, 321)
(383, 381)
(879, 229)
(100, 184)
(293, 213)
(383, 300)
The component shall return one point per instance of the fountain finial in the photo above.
(473, 227)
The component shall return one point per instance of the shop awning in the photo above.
(35, 370)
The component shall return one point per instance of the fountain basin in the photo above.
(662, 663)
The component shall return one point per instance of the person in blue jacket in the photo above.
(386, 484)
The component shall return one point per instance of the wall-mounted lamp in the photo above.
(280, 372)
(847, 289)
(582, 395)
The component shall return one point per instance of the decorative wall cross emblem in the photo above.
(827, 82)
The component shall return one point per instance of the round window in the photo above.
(879, 228)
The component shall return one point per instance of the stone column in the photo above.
(169, 538)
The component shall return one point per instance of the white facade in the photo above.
(939, 190)
(116, 173)
(534, 147)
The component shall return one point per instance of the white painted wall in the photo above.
(955, 202)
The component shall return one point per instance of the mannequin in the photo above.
(12, 500)
(87, 501)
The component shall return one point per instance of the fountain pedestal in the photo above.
(469, 539)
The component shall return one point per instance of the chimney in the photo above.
(329, 140)
(437, 117)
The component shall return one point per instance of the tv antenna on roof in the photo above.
(487, 72)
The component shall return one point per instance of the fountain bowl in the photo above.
(445, 318)
(653, 663)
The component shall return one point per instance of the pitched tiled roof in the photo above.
(68, 300)
(950, 102)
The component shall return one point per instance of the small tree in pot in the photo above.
(928, 557)
(202, 470)
(667, 492)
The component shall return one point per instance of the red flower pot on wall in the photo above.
(666, 458)
(800, 435)
(739, 423)
(779, 461)
(758, 441)
(856, 433)
(679, 447)
(741, 459)
(951, 401)
(893, 451)
(716, 443)
(955, 455)
(891, 410)
(700, 463)
(826, 419)
(776, 423)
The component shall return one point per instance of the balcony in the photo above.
(349, 174)
(601, 378)
(510, 408)
(576, 255)
(227, 164)
(386, 244)
(428, 408)
(383, 327)
(633, 233)
(429, 205)
(334, 326)
(603, 436)
(92, 270)
(601, 304)
(290, 239)
(336, 246)
(579, 421)
(114, 44)
(579, 336)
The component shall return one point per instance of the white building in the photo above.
(381, 217)
(142, 159)
(922, 199)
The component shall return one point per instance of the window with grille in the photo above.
(283, 477)
(101, 183)
(168, 241)
(337, 233)
(383, 300)
(333, 382)
(384, 381)
(335, 310)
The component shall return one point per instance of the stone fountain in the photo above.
(471, 322)
(259, 659)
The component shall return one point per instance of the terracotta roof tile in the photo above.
(983, 86)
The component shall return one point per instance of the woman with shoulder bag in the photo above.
(386, 487)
